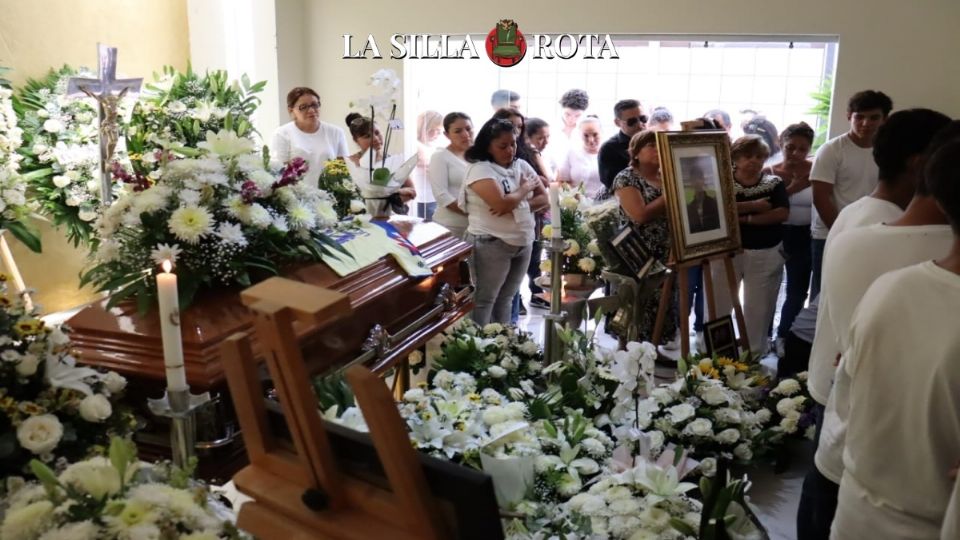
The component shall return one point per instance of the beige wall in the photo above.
(908, 49)
(36, 35)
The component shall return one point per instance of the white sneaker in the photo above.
(673, 344)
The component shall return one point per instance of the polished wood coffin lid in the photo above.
(381, 293)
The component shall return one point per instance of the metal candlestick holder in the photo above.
(180, 406)
(555, 248)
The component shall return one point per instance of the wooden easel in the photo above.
(300, 493)
(678, 274)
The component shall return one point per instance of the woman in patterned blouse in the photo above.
(640, 192)
(762, 206)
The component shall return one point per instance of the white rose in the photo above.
(40, 434)
(72, 201)
(61, 180)
(762, 416)
(515, 410)
(661, 395)
(714, 394)
(743, 452)
(708, 466)
(787, 387)
(509, 362)
(95, 408)
(114, 382)
(443, 379)
(491, 396)
(656, 439)
(415, 358)
(96, 477)
(727, 415)
(529, 348)
(53, 126)
(87, 215)
(496, 372)
(585, 466)
(27, 365)
(357, 207)
(728, 436)
(679, 413)
(701, 427)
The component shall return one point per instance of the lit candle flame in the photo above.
(167, 266)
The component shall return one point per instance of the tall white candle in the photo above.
(170, 329)
(555, 209)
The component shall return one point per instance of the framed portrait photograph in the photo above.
(699, 191)
(721, 338)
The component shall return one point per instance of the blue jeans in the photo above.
(695, 296)
(797, 249)
(426, 210)
(816, 263)
(498, 269)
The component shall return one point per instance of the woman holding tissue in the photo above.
(368, 138)
(640, 191)
(500, 196)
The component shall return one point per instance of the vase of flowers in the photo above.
(581, 261)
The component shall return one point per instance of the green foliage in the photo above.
(822, 98)
(333, 390)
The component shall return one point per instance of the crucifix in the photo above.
(102, 89)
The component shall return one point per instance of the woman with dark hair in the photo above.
(639, 189)
(367, 137)
(759, 125)
(501, 194)
(794, 170)
(537, 135)
(448, 167)
(762, 207)
(527, 152)
(306, 136)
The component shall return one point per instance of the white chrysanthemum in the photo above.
(235, 206)
(258, 216)
(165, 252)
(231, 233)
(81, 530)
(280, 223)
(53, 126)
(191, 223)
(326, 213)
(28, 522)
(96, 477)
(301, 217)
(569, 203)
(593, 247)
(587, 264)
(108, 250)
(189, 197)
(150, 200)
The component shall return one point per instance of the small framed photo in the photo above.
(699, 190)
(721, 338)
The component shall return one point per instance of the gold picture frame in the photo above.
(699, 189)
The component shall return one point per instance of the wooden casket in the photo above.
(393, 314)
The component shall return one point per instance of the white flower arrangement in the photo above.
(221, 217)
(116, 498)
(62, 148)
(582, 253)
(11, 136)
(50, 408)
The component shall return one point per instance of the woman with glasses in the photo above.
(306, 136)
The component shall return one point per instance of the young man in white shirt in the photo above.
(843, 170)
(903, 387)
(852, 262)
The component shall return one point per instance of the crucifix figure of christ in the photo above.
(102, 89)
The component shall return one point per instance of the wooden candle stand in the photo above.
(300, 492)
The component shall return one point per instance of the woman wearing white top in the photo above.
(580, 167)
(795, 141)
(306, 136)
(501, 194)
(429, 124)
(367, 137)
(447, 170)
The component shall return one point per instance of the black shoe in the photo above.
(523, 309)
(538, 302)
